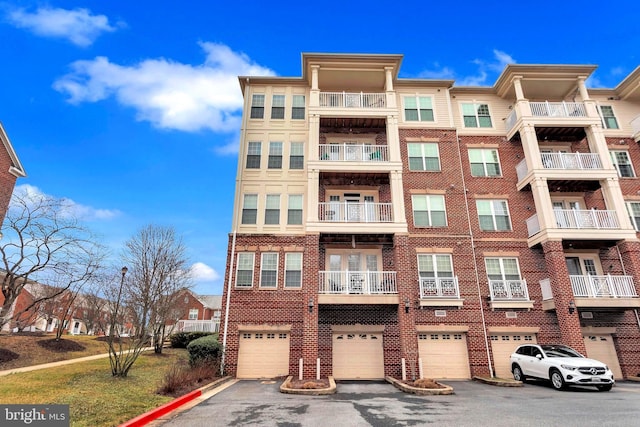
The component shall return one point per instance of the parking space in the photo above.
(257, 403)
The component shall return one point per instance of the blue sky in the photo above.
(131, 109)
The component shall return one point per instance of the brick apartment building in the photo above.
(385, 225)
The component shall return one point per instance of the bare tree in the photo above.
(158, 270)
(43, 239)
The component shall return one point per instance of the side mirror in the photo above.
(539, 356)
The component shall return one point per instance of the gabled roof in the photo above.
(16, 168)
(210, 301)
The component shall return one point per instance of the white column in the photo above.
(313, 189)
(542, 200)
(614, 200)
(397, 197)
(314, 93)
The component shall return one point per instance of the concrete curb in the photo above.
(499, 382)
(418, 390)
(284, 388)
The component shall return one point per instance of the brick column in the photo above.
(630, 253)
(311, 265)
(407, 292)
(569, 324)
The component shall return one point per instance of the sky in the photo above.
(131, 109)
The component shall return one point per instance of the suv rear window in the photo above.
(524, 350)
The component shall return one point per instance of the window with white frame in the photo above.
(493, 215)
(254, 152)
(484, 162)
(423, 156)
(249, 209)
(275, 155)
(277, 107)
(418, 108)
(476, 115)
(297, 109)
(296, 155)
(293, 270)
(622, 162)
(434, 265)
(502, 268)
(428, 210)
(269, 270)
(193, 314)
(609, 120)
(244, 270)
(257, 106)
(294, 211)
(272, 211)
(634, 214)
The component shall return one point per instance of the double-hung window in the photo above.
(296, 156)
(634, 214)
(493, 215)
(244, 270)
(476, 115)
(294, 212)
(609, 120)
(257, 106)
(297, 110)
(254, 152)
(269, 270)
(484, 162)
(423, 156)
(418, 108)
(435, 273)
(275, 155)
(272, 211)
(193, 314)
(502, 268)
(428, 210)
(622, 162)
(277, 107)
(293, 270)
(250, 209)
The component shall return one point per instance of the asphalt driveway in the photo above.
(259, 403)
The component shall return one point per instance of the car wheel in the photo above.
(517, 373)
(604, 387)
(556, 380)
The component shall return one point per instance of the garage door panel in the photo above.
(602, 348)
(358, 355)
(444, 355)
(263, 355)
(502, 345)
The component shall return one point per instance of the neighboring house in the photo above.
(200, 312)
(10, 170)
(395, 226)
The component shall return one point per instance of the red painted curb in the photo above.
(147, 417)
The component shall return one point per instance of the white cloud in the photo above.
(496, 65)
(78, 26)
(437, 73)
(230, 148)
(168, 94)
(74, 209)
(202, 272)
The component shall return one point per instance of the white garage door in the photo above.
(263, 355)
(601, 347)
(502, 345)
(358, 355)
(444, 355)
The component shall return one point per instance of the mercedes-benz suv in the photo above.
(561, 365)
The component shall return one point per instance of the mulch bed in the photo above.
(7, 355)
(309, 384)
(424, 383)
(61, 345)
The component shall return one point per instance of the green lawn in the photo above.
(95, 398)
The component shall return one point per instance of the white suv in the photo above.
(561, 365)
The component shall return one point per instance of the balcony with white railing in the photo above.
(551, 113)
(197, 326)
(367, 212)
(353, 152)
(558, 109)
(353, 287)
(571, 161)
(604, 291)
(353, 100)
(591, 219)
(509, 294)
(440, 291)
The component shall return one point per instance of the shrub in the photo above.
(182, 339)
(181, 377)
(204, 350)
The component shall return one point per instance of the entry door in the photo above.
(566, 217)
(354, 209)
(355, 273)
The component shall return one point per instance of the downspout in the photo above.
(236, 218)
(624, 272)
(472, 241)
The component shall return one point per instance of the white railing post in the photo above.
(301, 369)
(318, 368)
(404, 370)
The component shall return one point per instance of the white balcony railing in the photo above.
(439, 287)
(558, 109)
(545, 287)
(635, 126)
(197, 326)
(586, 219)
(533, 225)
(353, 100)
(603, 286)
(358, 282)
(511, 120)
(354, 152)
(508, 290)
(571, 161)
(355, 212)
